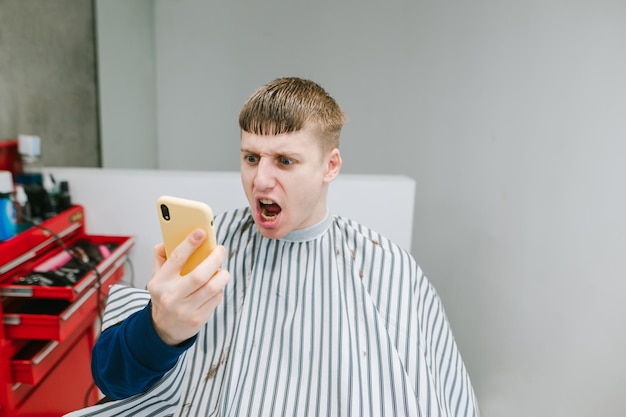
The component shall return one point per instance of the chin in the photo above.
(271, 233)
(269, 230)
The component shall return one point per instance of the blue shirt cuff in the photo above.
(147, 347)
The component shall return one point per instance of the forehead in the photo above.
(300, 142)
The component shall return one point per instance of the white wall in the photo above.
(509, 115)
(122, 202)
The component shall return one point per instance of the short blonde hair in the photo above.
(291, 104)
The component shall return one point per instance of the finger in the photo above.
(209, 265)
(206, 269)
(159, 253)
(206, 310)
(188, 285)
(159, 258)
(215, 290)
(176, 260)
(212, 287)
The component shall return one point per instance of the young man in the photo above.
(298, 313)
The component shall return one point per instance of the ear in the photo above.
(333, 165)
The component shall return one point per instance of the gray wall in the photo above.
(48, 84)
(126, 71)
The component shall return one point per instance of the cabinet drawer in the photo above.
(47, 319)
(38, 357)
(100, 274)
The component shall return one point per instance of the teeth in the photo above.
(264, 214)
(266, 217)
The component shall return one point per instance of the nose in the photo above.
(264, 178)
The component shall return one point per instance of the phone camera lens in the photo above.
(165, 212)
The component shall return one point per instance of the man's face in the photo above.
(285, 178)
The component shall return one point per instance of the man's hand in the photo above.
(181, 305)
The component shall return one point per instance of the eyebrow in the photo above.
(296, 155)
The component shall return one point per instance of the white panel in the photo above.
(123, 202)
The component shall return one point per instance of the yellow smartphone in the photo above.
(178, 217)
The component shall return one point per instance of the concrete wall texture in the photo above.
(48, 78)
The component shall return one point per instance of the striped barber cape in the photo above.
(333, 320)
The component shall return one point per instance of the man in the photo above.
(297, 313)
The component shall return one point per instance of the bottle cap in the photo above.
(48, 183)
(6, 182)
(64, 186)
(29, 145)
(20, 195)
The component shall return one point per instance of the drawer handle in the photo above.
(77, 304)
(17, 292)
(12, 320)
(49, 348)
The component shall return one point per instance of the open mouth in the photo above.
(269, 209)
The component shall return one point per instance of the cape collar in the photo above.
(311, 232)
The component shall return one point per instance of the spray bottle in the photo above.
(8, 227)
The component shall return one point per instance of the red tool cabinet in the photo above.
(48, 329)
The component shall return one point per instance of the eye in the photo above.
(251, 159)
(283, 160)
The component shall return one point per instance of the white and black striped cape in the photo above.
(334, 320)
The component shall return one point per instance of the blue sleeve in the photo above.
(130, 357)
